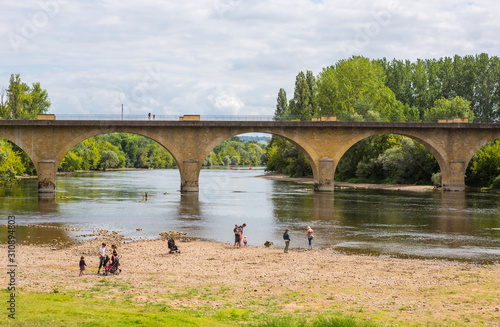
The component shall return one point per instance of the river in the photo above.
(449, 225)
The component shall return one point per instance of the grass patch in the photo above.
(55, 309)
(83, 309)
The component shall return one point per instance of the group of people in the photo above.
(238, 236)
(309, 237)
(103, 260)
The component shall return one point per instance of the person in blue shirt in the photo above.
(286, 237)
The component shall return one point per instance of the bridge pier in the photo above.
(324, 180)
(190, 173)
(46, 171)
(454, 179)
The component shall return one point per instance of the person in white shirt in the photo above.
(102, 256)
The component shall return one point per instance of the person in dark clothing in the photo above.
(286, 237)
(82, 265)
(236, 237)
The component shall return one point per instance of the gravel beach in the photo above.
(383, 289)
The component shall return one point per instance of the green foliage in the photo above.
(437, 178)
(281, 105)
(356, 86)
(10, 163)
(485, 165)
(23, 101)
(387, 158)
(285, 157)
(116, 150)
(449, 108)
(496, 183)
(236, 152)
(475, 78)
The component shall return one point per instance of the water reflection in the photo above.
(47, 205)
(453, 216)
(189, 206)
(323, 206)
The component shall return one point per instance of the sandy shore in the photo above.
(209, 274)
(395, 187)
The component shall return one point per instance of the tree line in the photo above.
(360, 89)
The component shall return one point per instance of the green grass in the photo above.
(91, 308)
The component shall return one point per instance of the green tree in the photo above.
(281, 106)
(450, 108)
(25, 102)
(485, 165)
(10, 163)
(357, 83)
(109, 159)
(303, 102)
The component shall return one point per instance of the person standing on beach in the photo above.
(286, 237)
(82, 265)
(236, 231)
(240, 230)
(310, 237)
(102, 257)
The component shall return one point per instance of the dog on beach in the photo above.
(268, 244)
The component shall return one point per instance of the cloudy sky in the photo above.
(218, 57)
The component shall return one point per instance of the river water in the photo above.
(457, 226)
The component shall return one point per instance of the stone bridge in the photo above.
(323, 142)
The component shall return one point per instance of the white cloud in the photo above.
(219, 56)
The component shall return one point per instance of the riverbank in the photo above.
(215, 277)
(392, 187)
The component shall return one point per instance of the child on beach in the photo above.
(82, 265)
(245, 241)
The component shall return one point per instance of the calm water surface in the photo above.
(463, 226)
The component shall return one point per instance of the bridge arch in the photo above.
(290, 135)
(66, 147)
(436, 154)
(479, 179)
(14, 147)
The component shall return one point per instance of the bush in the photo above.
(436, 178)
(496, 183)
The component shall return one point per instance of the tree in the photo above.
(25, 102)
(450, 108)
(17, 96)
(109, 159)
(10, 163)
(485, 165)
(281, 106)
(302, 98)
(4, 107)
(356, 83)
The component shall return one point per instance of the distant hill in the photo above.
(246, 138)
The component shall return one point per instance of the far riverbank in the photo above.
(391, 187)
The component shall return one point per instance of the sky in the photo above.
(218, 57)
